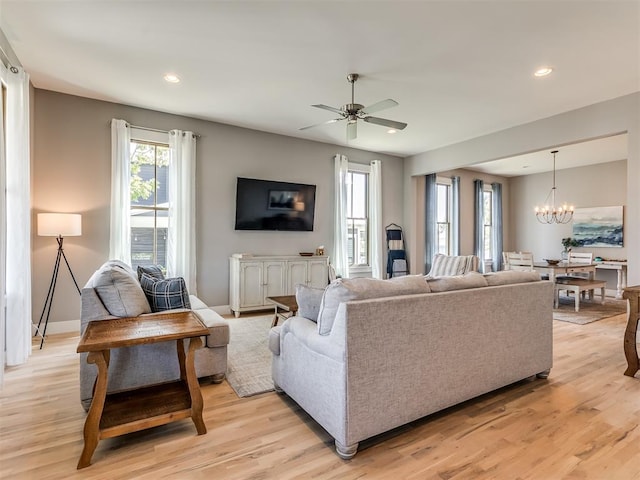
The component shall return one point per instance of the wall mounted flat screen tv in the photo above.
(269, 205)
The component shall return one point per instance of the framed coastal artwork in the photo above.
(598, 226)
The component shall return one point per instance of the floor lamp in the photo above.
(57, 225)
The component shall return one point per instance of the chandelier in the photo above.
(551, 213)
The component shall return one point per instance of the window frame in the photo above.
(155, 138)
(449, 214)
(361, 269)
(487, 227)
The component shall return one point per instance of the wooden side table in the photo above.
(286, 306)
(124, 412)
(632, 295)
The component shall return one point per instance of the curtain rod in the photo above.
(156, 129)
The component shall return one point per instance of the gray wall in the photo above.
(602, 185)
(72, 174)
(607, 118)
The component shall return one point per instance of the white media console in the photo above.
(253, 278)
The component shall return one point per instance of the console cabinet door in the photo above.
(318, 276)
(274, 280)
(251, 288)
(296, 273)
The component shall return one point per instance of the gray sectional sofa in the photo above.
(114, 291)
(381, 353)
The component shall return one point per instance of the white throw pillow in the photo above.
(309, 300)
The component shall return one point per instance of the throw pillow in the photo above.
(119, 290)
(152, 270)
(167, 294)
(445, 265)
(345, 290)
(309, 300)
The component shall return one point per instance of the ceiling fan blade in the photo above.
(331, 109)
(323, 123)
(352, 130)
(376, 107)
(385, 122)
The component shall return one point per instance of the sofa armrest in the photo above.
(218, 327)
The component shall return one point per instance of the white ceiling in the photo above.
(459, 69)
(601, 150)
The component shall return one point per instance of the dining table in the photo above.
(565, 268)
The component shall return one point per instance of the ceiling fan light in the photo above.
(392, 130)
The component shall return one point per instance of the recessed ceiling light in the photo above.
(392, 130)
(543, 72)
(171, 78)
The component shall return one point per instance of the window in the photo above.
(149, 203)
(357, 216)
(443, 216)
(487, 205)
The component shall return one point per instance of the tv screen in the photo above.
(269, 205)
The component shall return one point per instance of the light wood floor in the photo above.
(581, 423)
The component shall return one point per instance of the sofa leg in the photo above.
(277, 388)
(217, 378)
(544, 374)
(346, 452)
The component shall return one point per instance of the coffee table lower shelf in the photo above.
(146, 407)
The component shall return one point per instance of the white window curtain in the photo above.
(340, 241)
(18, 214)
(181, 240)
(3, 230)
(120, 231)
(375, 218)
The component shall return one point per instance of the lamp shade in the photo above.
(59, 224)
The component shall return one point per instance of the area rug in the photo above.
(590, 310)
(248, 355)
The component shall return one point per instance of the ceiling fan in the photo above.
(352, 112)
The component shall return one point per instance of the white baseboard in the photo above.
(221, 309)
(65, 326)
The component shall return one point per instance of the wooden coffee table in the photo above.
(286, 307)
(119, 413)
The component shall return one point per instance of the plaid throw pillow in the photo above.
(152, 270)
(165, 294)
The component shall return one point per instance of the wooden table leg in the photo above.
(630, 348)
(275, 318)
(194, 386)
(92, 423)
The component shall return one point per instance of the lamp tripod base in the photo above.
(52, 288)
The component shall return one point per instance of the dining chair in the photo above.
(521, 261)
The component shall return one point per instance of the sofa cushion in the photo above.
(507, 277)
(119, 290)
(457, 282)
(345, 290)
(309, 300)
(152, 270)
(167, 294)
